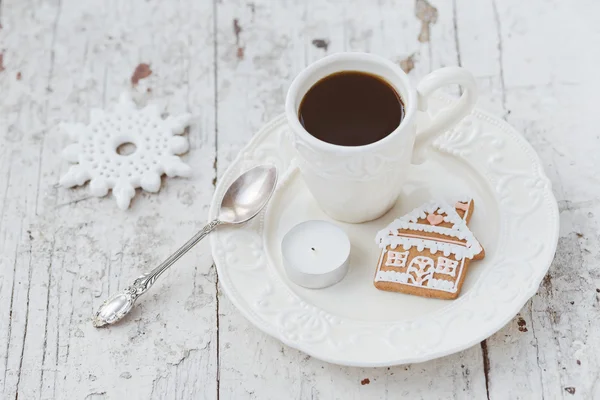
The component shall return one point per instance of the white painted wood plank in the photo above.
(547, 350)
(22, 111)
(71, 251)
(477, 39)
(278, 41)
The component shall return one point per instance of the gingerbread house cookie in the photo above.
(427, 251)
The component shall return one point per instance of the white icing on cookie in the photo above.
(407, 279)
(441, 284)
(391, 237)
(391, 276)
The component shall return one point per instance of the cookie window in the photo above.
(396, 259)
(446, 266)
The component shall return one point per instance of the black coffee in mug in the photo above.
(351, 108)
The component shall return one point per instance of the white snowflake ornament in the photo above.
(98, 161)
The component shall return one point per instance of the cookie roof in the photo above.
(459, 230)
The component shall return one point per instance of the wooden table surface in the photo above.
(229, 63)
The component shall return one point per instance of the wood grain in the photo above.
(229, 63)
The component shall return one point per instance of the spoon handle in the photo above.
(117, 306)
(145, 282)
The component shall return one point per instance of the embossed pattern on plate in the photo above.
(516, 220)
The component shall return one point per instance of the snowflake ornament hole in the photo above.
(126, 149)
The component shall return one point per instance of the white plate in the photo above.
(353, 323)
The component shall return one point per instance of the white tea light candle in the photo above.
(316, 254)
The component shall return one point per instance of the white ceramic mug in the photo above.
(361, 183)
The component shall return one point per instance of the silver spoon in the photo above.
(244, 199)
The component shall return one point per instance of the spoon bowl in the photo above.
(248, 194)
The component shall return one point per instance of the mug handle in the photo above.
(448, 117)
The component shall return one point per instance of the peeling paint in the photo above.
(321, 44)
(19, 76)
(141, 71)
(2, 62)
(486, 366)
(237, 29)
(96, 395)
(427, 14)
(365, 381)
(240, 53)
(570, 390)
(408, 64)
(126, 375)
(522, 324)
(186, 354)
(547, 283)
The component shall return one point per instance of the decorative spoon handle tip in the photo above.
(117, 306)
